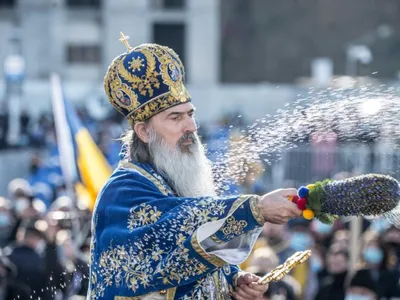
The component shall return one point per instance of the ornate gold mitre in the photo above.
(145, 80)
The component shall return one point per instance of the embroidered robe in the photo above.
(148, 243)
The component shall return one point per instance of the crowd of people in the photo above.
(45, 247)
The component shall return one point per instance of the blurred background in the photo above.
(244, 59)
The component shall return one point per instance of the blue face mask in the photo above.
(380, 225)
(323, 228)
(300, 241)
(373, 255)
(356, 297)
(5, 219)
(316, 265)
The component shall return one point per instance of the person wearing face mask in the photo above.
(6, 221)
(391, 238)
(300, 240)
(27, 255)
(362, 287)
(323, 233)
(34, 255)
(76, 269)
(332, 277)
(378, 262)
(22, 210)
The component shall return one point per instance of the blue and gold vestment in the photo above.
(148, 241)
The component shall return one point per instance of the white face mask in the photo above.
(40, 247)
(20, 205)
(5, 220)
(356, 297)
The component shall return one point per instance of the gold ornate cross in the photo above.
(282, 270)
(124, 39)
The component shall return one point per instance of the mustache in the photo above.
(188, 136)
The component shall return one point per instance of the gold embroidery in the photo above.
(218, 285)
(212, 286)
(120, 95)
(234, 207)
(154, 106)
(136, 64)
(215, 260)
(143, 172)
(256, 211)
(223, 288)
(180, 266)
(133, 265)
(144, 84)
(227, 269)
(233, 228)
(125, 264)
(239, 201)
(216, 239)
(142, 215)
(170, 294)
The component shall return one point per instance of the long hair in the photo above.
(134, 148)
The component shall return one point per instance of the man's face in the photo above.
(176, 126)
(177, 153)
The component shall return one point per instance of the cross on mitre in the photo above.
(124, 39)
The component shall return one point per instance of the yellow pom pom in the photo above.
(311, 186)
(308, 214)
(290, 198)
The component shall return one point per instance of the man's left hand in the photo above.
(248, 288)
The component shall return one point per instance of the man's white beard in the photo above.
(188, 172)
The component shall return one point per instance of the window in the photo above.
(90, 54)
(174, 4)
(84, 3)
(171, 35)
(168, 4)
(7, 3)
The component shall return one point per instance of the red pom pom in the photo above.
(301, 203)
(295, 199)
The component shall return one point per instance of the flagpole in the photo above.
(64, 138)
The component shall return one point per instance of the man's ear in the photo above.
(140, 130)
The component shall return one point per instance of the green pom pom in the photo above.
(315, 202)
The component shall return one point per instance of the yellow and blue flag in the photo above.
(84, 167)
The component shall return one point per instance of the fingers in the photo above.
(287, 192)
(296, 212)
(240, 293)
(291, 211)
(261, 288)
(250, 291)
(249, 278)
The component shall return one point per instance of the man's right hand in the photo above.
(276, 208)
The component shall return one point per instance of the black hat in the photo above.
(363, 278)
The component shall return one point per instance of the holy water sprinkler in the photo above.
(365, 195)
